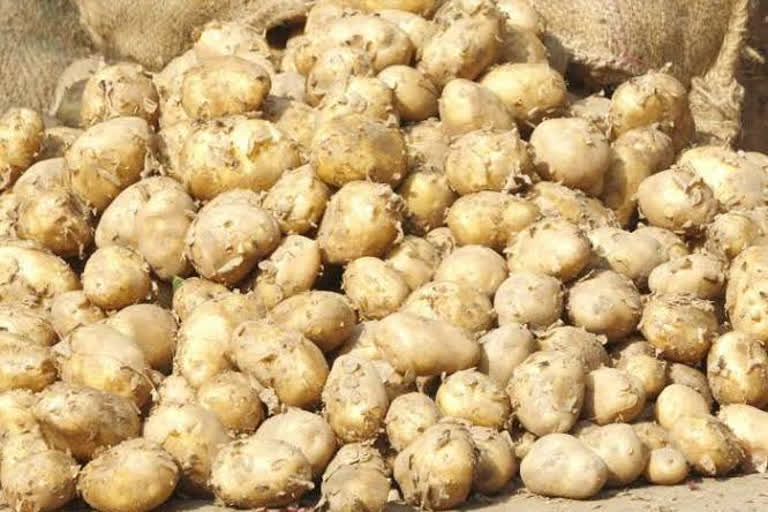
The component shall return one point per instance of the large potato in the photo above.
(612, 396)
(677, 401)
(415, 259)
(737, 370)
(27, 323)
(531, 91)
(51, 487)
(190, 293)
(152, 328)
(123, 89)
(503, 349)
(489, 218)
(455, 303)
(605, 303)
(691, 377)
(297, 200)
(529, 298)
(21, 134)
(634, 255)
(235, 402)
(57, 220)
(415, 96)
(573, 205)
(496, 463)
(624, 454)
(408, 417)
(291, 269)
(707, 443)
(325, 318)
(748, 424)
(701, 275)
(475, 397)
(333, 68)
(115, 277)
(576, 342)
(70, 310)
(465, 106)
(374, 288)
(472, 265)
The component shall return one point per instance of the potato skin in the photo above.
(297, 200)
(21, 133)
(409, 415)
(748, 425)
(612, 396)
(465, 106)
(707, 444)
(52, 488)
(737, 365)
(676, 401)
(124, 89)
(475, 397)
(551, 246)
(110, 480)
(605, 303)
(325, 318)
(115, 277)
(666, 466)
(529, 298)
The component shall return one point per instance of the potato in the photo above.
(204, 335)
(624, 454)
(653, 435)
(465, 106)
(356, 477)
(560, 465)
(443, 459)
(677, 401)
(680, 327)
(418, 29)
(354, 147)
(453, 302)
(81, 421)
(56, 141)
(228, 38)
(333, 68)
(747, 423)
(192, 292)
(666, 466)
(57, 220)
(42, 481)
(427, 146)
(24, 364)
(633, 255)
(282, 359)
(44, 175)
(475, 266)
(291, 269)
(193, 437)
(701, 275)
(672, 245)
(442, 240)
(475, 397)
(612, 396)
(489, 218)
(307, 431)
(21, 133)
(427, 196)
(503, 349)
(550, 246)
(70, 310)
(9, 214)
(415, 259)
(529, 298)
(530, 91)
(647, 369)
(395, 383)
(496, 463)
(176, 390)
(296, 120)
(676, 199)
(232, 153)
(424, 346)
(325, 318)
(123, 89)
(135, 476)
(605, 303)
(16, 415)
(415, 96)
(115, 277)
(230, 235)
(730, 233)
(653, 98)
(103, 358)
(595, 108)
(520, 15)
(736, 368)
(488, 160)
(573, 152)
(368, 97)
(297, 200)
(230, 396)
(555, 200)
(578, 343)
(154, 330)
(462, 49)
(546, 392)
(409, 416)
(289, 85)
(707, 444)
(27, 323)
(374, 288)
(108, 158)
(362, 219)
(32, 277)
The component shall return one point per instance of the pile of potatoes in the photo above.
(396, 260)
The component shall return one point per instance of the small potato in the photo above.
(653, 98)
(595, 108)
(408, 417)
(465, 106)
(16, 416)
(707, 444)
(176, 390)
(24, 364)
(503, 349)
(111, 480)
(605, 303)
(530, 91)
(415, 259)
(489, 218)
(25, 322)
(81, 421)
(354, 147)
(680, 327)
(192, 292)
(368, 97)
(454, 303)
(362, 219)
(748, 425)
(108, 158)
(152, 328)
(573, 152)
(355, 478)
(666, 466)
(223, 86)
(730, 233)
(375, 289)
(51, 487)
(230, 235)
(677, 401)
(671, 244)
(424, 346)
(32, 277)
(550, 246)
(281, 359)
(555, 200)
(475, 266)
(652, 372)
(232, 153)
(427, 196)
(70, 310)
(624, 454)
(333, 68)
(653, 435)
(443, 459)
(291, 269)
(193, 437)
(529, 298)
(634, 255)
(547, 392)
(737, 368)
(43, 175)
(230, 396)
(414, 94)
(115, 277)
(297, 200)
(325, 318)
(307, 431)
(488, 160)
(475, 397)
(355, 400)
(560, 465)
(612, 396)
(496, 463)
(676, 199)
(204, 335)
(577, 343)
(57, 220)
(21, 133)
(427, 146)
(123, 89)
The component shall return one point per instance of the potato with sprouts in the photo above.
(21, 134)
(123, 89)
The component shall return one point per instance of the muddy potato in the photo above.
(70, 310)
(291, 269)
(115, 277)
(748, 425)
(455, 303)
(296, 120)
(21, 133)
(503, 349)
(25, 364)
(680, 327)
(730, 233)
(736, 370)
(547, 392)
(424, 346)
(415, 96)
(42, 480)
(476, 266)
(356, 477)
(31, 276)
(193, 437)
(152, 328)
(230, 396)
(281, 358)
(333, 68)
(489, 218)
(677, 401)
(475, 397)
(529, 298)
(555, 200)
(46, 174)
(57, 220)
(374, 288)
(630, 254)
(465, 106)
(496, 463)
(108, 158)
(427, 196)
(123, 89)
(530, 91)
(707, 444)
(653, 435)
(701, 275)
(673, 246)
(595, 108)
(560, 465)
(551, 246)
(368, 97)
(325, 318)
(578, 343)
(27, 323)
(297, 200)
(415, 259)
(605, 303)
(409, 415)
(649, 370)
(624, 454)
(612, 396)
(190, 293)
(666, 466)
